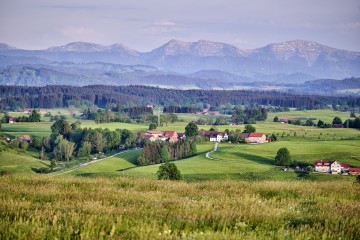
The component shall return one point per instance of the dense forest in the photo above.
(13, 97)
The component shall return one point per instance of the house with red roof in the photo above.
(354, 171)
(155, 135)
(333, 167)
(256, 138)
(170, 135)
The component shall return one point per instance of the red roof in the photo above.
(322, 163)
(170, 134)
(345, 165)
(154, 132)
(354, 169)
(256, 134)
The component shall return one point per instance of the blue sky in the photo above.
(147, 24)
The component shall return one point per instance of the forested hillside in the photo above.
(13, 97)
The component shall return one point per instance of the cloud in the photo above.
(349, 25)
(162, 26)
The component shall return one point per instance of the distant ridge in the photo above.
(292, 62)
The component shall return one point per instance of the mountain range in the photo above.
(202, 64)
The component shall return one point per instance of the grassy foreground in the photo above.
(41, 207)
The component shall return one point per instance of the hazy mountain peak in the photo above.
(308, 50)
(78, 47)
(120, 47)
(209, 48)
(173, 47)
(6, 47)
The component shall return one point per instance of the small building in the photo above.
(354, 171)
(338, 126)
(213, 137)
(6, 139)
(222, 136)
(335, 167)
(12, 120)
(256, 138)
(181, 135)
(25, 138)
(243, 136)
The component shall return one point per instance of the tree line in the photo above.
(180, 109)
(33, 117)
(13, 97)
(70, 140)
(249, 115)
(160, 152)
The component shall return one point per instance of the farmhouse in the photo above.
(222, 136)
(354, 171)
(12, 120)
(207, 112)
(214, 136)
(256, 138)
(155, 135)
(171, 135)
(333, 167)
(25, 138)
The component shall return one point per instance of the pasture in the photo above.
(40, 207)
(235, 161)
(12, 161)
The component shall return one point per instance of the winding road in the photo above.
(85, 164)
(214, 150)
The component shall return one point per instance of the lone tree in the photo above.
(168, 171)
(191, 130)
(152, 126)
(276, 119)
(337, 120)
(249, 128)
(282, 157)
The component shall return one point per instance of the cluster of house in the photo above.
(22, 138)
(215, 136)
(29, 110)
(154, 135)
(207, 112)
(334, 167)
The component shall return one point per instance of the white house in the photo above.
(222, 136)
(213, 137)
(333, 167)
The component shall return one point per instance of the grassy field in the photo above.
(123, 208)
(324, 115)
(235, 161)
(239, 194)
(16, 162)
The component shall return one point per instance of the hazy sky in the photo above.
(146, 24)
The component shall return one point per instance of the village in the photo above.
(320, 166)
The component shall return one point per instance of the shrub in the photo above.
(168, 171)
(282, 157)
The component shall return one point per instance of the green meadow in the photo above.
(236, 194)
(235, 161)
(65, 207)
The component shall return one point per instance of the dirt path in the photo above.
(86, 164)
(215, 149)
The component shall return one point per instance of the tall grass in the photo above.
(39, 207)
